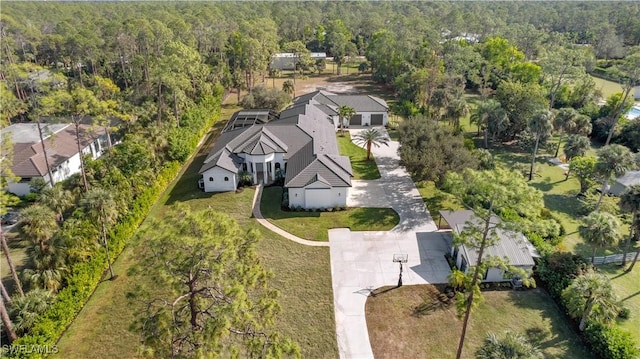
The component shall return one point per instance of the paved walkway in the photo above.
(258, 216)
(362, 261)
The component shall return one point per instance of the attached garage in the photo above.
(356, 120)
(318, 198)
(377, 119)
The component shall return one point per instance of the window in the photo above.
(210, 179)
(277, 165)
(226, 179)
(244, 166)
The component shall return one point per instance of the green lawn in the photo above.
(363, 169)
(627, 287)
(607, 87)
(302, 275)
(437, 200)
(436, 332)
(314, 225)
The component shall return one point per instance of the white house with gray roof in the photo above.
(512, 246)
(298, 144)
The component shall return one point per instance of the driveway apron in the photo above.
(362, 261)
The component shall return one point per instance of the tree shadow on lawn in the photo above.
(367, 169)
(559, 332)
(562, 203)
(366, 217)
(187, 186)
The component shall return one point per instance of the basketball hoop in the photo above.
(400, 258)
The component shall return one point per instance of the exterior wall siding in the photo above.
(214, 180)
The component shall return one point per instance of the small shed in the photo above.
(512, 246)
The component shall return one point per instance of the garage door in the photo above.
(376, 120)
(318, 198)
(356, 120)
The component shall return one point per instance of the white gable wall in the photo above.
(322, 197)
(214, 180)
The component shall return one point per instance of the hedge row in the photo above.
(557, 270)
(85, 276)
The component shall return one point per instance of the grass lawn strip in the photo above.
(362, 169)
(627, 288)
(314, 225)
(394, 328)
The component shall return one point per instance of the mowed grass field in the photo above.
(411, 320)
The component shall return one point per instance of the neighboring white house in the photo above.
(512, 246)
(636, 93)
(61, 148)
(621, 184)
(298, 145)
(287, 60)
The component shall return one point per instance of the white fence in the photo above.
(614, 258)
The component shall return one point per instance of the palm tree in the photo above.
(101, 208)
(6, 322)
(511, 345)
(540, 125)
(490, 117)
(455, 110)
(613, 160)
(25, 310)
(48, 266)
(564, 122)
(289, 87)
(590, 296)
(576, 145)
(12, 267)
(630, 202)
(58, 199)
(370, 137)
(39, 223)
(600, 229)
(345, 113)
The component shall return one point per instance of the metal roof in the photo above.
(511, 245)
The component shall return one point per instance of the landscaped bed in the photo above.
(412, 322)
(314, 225)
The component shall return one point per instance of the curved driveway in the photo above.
(362, 261)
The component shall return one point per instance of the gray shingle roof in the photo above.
(512, 245)
(361, 103)
(304, 132)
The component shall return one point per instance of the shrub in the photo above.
(558, 269)
(611, 342)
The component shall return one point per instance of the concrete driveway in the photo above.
(362, 261)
